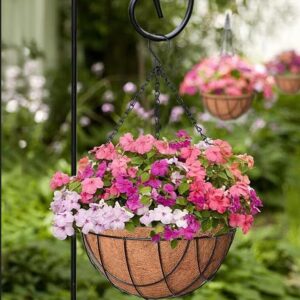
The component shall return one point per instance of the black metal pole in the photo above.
(74, 135)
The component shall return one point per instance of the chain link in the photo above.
(158, 72)
(131, 105)
(157, 101)
(181, 102)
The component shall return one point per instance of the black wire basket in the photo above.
(136, 265)
(227, 107)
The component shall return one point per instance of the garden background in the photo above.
(265, 264)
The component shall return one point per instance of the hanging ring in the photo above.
(159, 37)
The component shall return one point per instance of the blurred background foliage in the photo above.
(36, 111)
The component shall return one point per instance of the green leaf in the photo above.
(236, 74)
(181, 201)
(150, 154)
(130, 226)
(146, 200)
(145, 177)
(174, 244)
(183, 188)
(206, 224)
(159, 228)
(137, 160)
(145, 190)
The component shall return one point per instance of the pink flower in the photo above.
(190, 153)
(243, 221)
(82, 163)
(195, 170)
(144, 143)
(240, 189)
(163, 147)
(248, 159)
(119, 165)
(160, 168)
(170, 234)
(219, 152)
(218, 201)
(86, 198)
(127, 142)
(132, 172)
(59, 179)
(90, 185)
(106, 151)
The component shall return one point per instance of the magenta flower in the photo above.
(160, 168)
(101, 169)
(123, 185)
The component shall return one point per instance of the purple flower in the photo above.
(235, 204)
(129, 88)
(192, 228)
(180, 145)
(165, 201)
(101, 169)
(123, 185)
(154, 183)
(176, 114)
(160, 168)
(86, 173)
(107, 108)
(171, 234)
(62, 232)
(183, 134)
(255, 202)
(155, 238)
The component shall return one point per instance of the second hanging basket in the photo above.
(136, 265)
(227, 107)
(289, 84)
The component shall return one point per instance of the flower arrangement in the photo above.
(286, 63)
(175, 187)
(226, 75)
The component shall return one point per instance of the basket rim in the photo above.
(287, 76)
(132, 238)
(251, 95)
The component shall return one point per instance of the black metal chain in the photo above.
(181, 102)
(158, 72)
(131, 105)
(157, 101)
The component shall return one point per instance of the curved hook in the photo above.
(158, 37)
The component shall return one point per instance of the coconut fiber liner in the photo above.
(288, 84)
(227, 107)
(136, 265)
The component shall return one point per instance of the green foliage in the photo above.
(260, 266)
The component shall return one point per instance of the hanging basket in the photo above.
(289, 84)
(227, 107)
(134, 264)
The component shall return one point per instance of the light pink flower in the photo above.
(90, 185)
(127, 142)
(243, 221)
(240, 189)
(119, 166)
(219, 152)
(59, 179)
(106, 151)
(163, 147)
(144, 143)
(218, 201)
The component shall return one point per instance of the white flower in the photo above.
(179, 218)
(176, 177)
(163, 214)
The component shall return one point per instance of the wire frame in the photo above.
(227, 107)
(136, 265)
